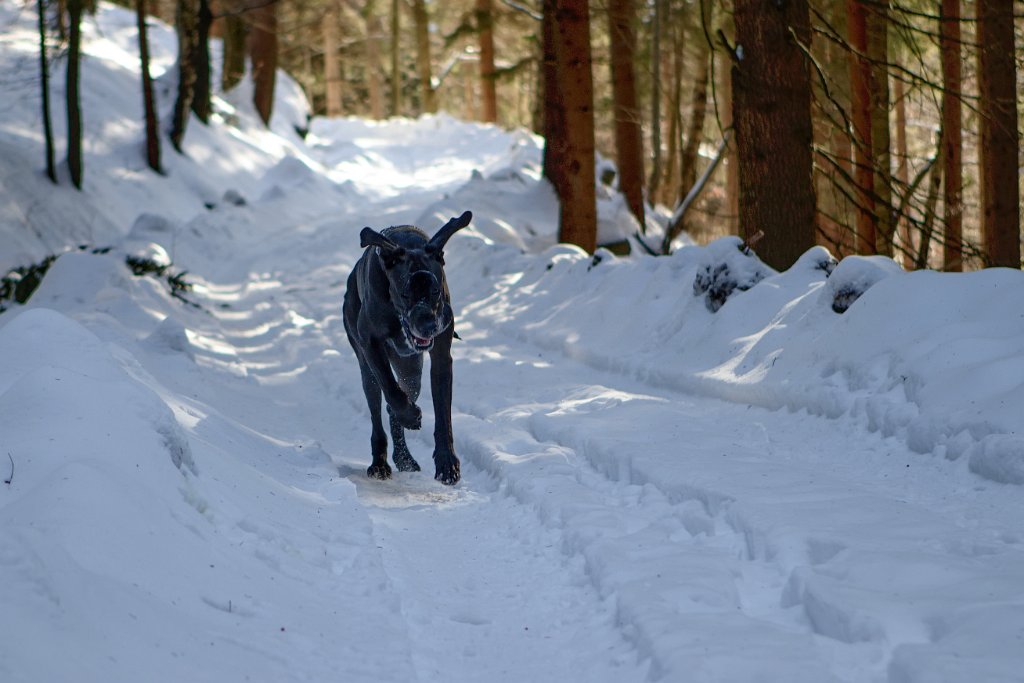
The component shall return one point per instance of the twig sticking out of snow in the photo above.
(749, 243)
(9, 479)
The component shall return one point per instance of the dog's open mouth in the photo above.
(417, 342)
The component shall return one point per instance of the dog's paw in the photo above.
(380, 470)
(405, 462)
(409, 416)
(446, 470)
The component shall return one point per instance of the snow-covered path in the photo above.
(609, 530)
(184, 494)
(605, 529)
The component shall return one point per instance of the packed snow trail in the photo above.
(609, 530)
(186, 496)
(604, 530)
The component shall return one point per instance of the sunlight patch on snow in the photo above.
(593, 398)
(300, 321)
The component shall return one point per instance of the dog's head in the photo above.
(414, 267)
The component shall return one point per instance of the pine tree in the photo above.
(628, 133)
(772, 118)
(1000, 140)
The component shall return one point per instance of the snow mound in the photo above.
(727, 268)
(856, 275)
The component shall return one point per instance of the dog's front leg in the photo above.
(446, 464)
(407, 412)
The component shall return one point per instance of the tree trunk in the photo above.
(629, 143)
(62, 24)
(233, 65)
(374, 31)
(928, 221)
(1000, 141)
(695, 132)
(75, 162)
(148, 103)
(188, 36)
(903, 170)
(860, 105)
(670, 177)
(332, 67)
(881, 156)
(655, 179)
(488, 85)
(553, 108)
(835, 220)
(201, 63)
(263, 55)
(423, 60)
(575, 152)
(772, 117)
(732, 164)
(44, 75)
(396, 62)
(952, 129)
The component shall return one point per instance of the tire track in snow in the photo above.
(486, 592)
(683, 591)
(825, 559)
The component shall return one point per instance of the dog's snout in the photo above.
(423, 320)
(423, 286)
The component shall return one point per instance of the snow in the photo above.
(654, 488)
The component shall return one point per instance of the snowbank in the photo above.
(930, 358)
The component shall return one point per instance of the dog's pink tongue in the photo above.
(421, 341)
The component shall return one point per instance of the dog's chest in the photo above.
(401, 345)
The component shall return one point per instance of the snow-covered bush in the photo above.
(728, 266)
(856, 275)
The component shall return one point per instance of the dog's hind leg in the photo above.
(409, 371)
(379, 468)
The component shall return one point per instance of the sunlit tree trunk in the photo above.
(575, 151)
(670, 177)
(860, 106)
(332, 67)
(655, 178)
(772, 117)
(628, 134)
(952, 131)
(732, 164)
(263, 55)
(423, 59)
(1000, 141)
(694, 133)
(488, 86)
(374, 31)
(553, 108)
(881, 155)
(903, 169)
(396, 58)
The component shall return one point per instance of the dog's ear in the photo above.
(369, 237)
(390, 251)
(437, 242)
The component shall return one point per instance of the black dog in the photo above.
(396, 308)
